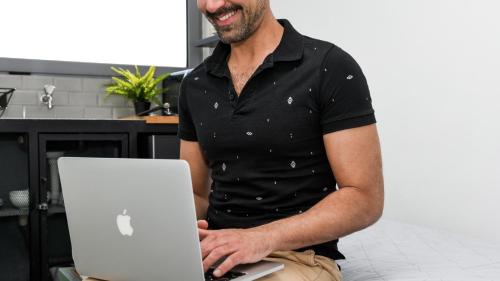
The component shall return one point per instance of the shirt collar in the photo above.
(290, 48)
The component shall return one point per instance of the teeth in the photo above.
(226, 16)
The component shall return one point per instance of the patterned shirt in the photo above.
(265, 147)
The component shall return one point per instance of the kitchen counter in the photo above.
(155, 125)
(155, 119)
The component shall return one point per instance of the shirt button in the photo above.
(232, 96)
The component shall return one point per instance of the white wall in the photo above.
(434, 71)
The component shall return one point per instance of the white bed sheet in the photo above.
(394, 251)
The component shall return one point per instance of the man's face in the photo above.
(234, 20)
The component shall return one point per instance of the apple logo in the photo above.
(123, 222)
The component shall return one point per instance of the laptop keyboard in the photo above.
(230, 275)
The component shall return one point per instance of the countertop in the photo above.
(149, 124)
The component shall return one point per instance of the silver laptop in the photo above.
(134, 219)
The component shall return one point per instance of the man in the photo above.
(276, 120)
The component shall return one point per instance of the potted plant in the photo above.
(140, 89)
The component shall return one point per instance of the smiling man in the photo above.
(279, 131)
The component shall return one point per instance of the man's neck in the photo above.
(261, 43)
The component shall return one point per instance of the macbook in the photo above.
(134, 219)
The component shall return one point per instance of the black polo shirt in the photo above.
(265, 148)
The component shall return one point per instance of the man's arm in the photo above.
(355, 159)
(191, 152)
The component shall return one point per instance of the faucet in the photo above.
(47, 98)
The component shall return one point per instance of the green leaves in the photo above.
(136, 86)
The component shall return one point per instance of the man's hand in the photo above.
(239, 246)
(202, 224)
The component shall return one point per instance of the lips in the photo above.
(227, 18)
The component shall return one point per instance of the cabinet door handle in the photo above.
(43, 207)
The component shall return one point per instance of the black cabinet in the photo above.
(54, 235)
(14, 214)
(34, 238)
(159, 146)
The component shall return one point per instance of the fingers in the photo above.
(203, 233)
(228, 243)
(228, 264)
(203, 224)
(211, 241)
(215, 255)
(202, 229)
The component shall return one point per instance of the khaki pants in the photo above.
(303, 266)
(300, 266)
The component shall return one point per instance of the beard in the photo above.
(241, 29)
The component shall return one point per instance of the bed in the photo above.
(391, 250)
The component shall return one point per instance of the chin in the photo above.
(232, 37)
(232, 34)
(228, 38)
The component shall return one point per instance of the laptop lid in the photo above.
(131, 219)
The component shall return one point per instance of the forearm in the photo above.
(201, 204)
(339, 214)
(191, 152)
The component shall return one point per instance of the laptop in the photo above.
(134, 219)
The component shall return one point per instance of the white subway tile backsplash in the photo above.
(73, 84)
(36, 82)
(10, 81)
(59, 98)
(98, 112)
(97, 85)
(69, 112)
(82, 99)
(122, 112)
(112, 101)
(13, 111)
(40, 112)
(74, 97)
(25, 97)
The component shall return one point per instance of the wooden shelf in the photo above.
(154, 119)
(162, 119)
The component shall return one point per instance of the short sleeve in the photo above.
(345, 100)
(186, 129)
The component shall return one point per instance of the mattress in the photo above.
(395, 251)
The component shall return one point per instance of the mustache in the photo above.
(223, 10)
